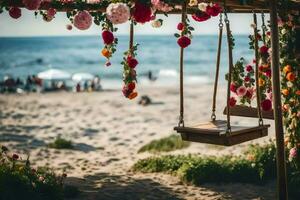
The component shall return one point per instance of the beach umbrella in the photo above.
(54, 74)
(82, 77)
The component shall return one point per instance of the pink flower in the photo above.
(241, 91)
(293, 153)
(232, 102)
(141, 13)
(161, 6)
(118, 13)
(266, 105)
(108, 63)
(51, 12)
(69, 27)
(298, 114)
(15, 12)
(233, 87)
(83, 20)
(32, 4)
(108, 37)
(180, 26)
(184, 41)
(249, 68)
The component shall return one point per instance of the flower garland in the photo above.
(129, 73)
(243, 76)
(290, 81)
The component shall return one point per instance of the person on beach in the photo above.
(78, 87)
(150, 76)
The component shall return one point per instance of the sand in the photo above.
(107, 131)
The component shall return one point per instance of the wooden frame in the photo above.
(246, 111)
(234, 6)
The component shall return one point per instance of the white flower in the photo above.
(202, 6)
(252, 164)
(156, 23)
(193, 3)
(283, 31)
(289, 84)
(118, 13)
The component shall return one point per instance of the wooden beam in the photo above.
(280, 150)
(233, 6)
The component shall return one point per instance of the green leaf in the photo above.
(177, 35)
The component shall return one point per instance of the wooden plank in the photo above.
(226, 139)
(245, 111)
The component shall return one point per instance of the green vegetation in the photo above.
(18, 180)
(257, 166)
(171, 143)
(61, 143)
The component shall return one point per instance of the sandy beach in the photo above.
(108, 130)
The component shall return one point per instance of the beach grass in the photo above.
(61, 143)
(256, 167)
(170, 143)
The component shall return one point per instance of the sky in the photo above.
(28, 25)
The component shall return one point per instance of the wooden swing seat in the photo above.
(245, 111)
(214, 132)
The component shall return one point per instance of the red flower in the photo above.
(180, 26)
(232, 101)
(233, 88)
(142, 13)
(264, 49)
(247, 79)
(249, 68)
(200, 16)
(266, 105)
(258, 36)
(15, 12)
(214, 10)
(261, 68)
(108, 37)
(268, 73)
(131, 86)
(32, 4)
(249, 94)
(15, 156)
(184, 41)
(132, 62)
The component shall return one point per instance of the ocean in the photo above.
(20, 57)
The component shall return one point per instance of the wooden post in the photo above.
(281, 166)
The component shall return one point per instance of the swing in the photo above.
(246, 111)
(219, 132)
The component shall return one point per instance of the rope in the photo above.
(131, 36)
(213, 115)
(230, 59)
(263, 27)
(258, 95)
(181, 116)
